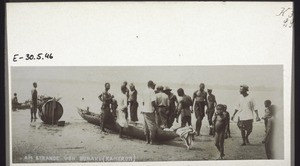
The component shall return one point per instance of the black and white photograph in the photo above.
(149, 83)
(79, 114)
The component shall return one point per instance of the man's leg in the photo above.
(121, 131)
(243, 133)
(35, 110)
(209, 117)
(249, 126)
(103, 119)
(146, 129)
(31, 113)
(183, 121)
(152, 127)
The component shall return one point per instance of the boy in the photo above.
(267, 114)
(220, 121)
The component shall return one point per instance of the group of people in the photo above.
(119, 109)
(161, 107)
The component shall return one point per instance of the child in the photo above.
(220, 121)
(267, 114)
(227, 130)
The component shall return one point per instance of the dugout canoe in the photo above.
(133, 130)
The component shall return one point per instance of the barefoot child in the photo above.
(220, 121)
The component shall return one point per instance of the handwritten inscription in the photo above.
(32, 57)
(288, 16)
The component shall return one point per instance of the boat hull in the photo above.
(133, 130)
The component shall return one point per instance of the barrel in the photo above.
(51, 112)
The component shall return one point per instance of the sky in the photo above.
(267, 76)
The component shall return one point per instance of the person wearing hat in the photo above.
(245, 107)
(162, 107)
(148, 112)
(173, 102)
(34, 101)
(210, 110)
(133, 103)
(199, 103)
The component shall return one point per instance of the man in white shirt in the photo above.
(123, 111)
(148, 113)
(245, 107)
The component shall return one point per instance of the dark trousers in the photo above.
(163, 116)
(186, 120)
(104, 117)
(133, 111)
(199, 113)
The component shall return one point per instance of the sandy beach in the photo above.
(79, 141)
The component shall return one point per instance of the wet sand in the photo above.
(79, 141)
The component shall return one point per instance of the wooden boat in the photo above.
(133, 130)
(50, 111)
(20, 106)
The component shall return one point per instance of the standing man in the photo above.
(199, 102)
(34, 101)
(127, 90)
(245, 107)
(133, 103)
(211, 104)
(162, 105)
(149, 113)
(184, 104)
(173, 102)
(106, 99)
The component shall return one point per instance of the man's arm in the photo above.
(178, 111)
(153, 105)
(100, 97)
(257, 116)
(215, 101)
(235, 111)
(205, 98)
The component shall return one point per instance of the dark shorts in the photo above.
(186, 120)
(245, 125)
(199, 109)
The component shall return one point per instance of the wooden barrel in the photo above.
(51, 112)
